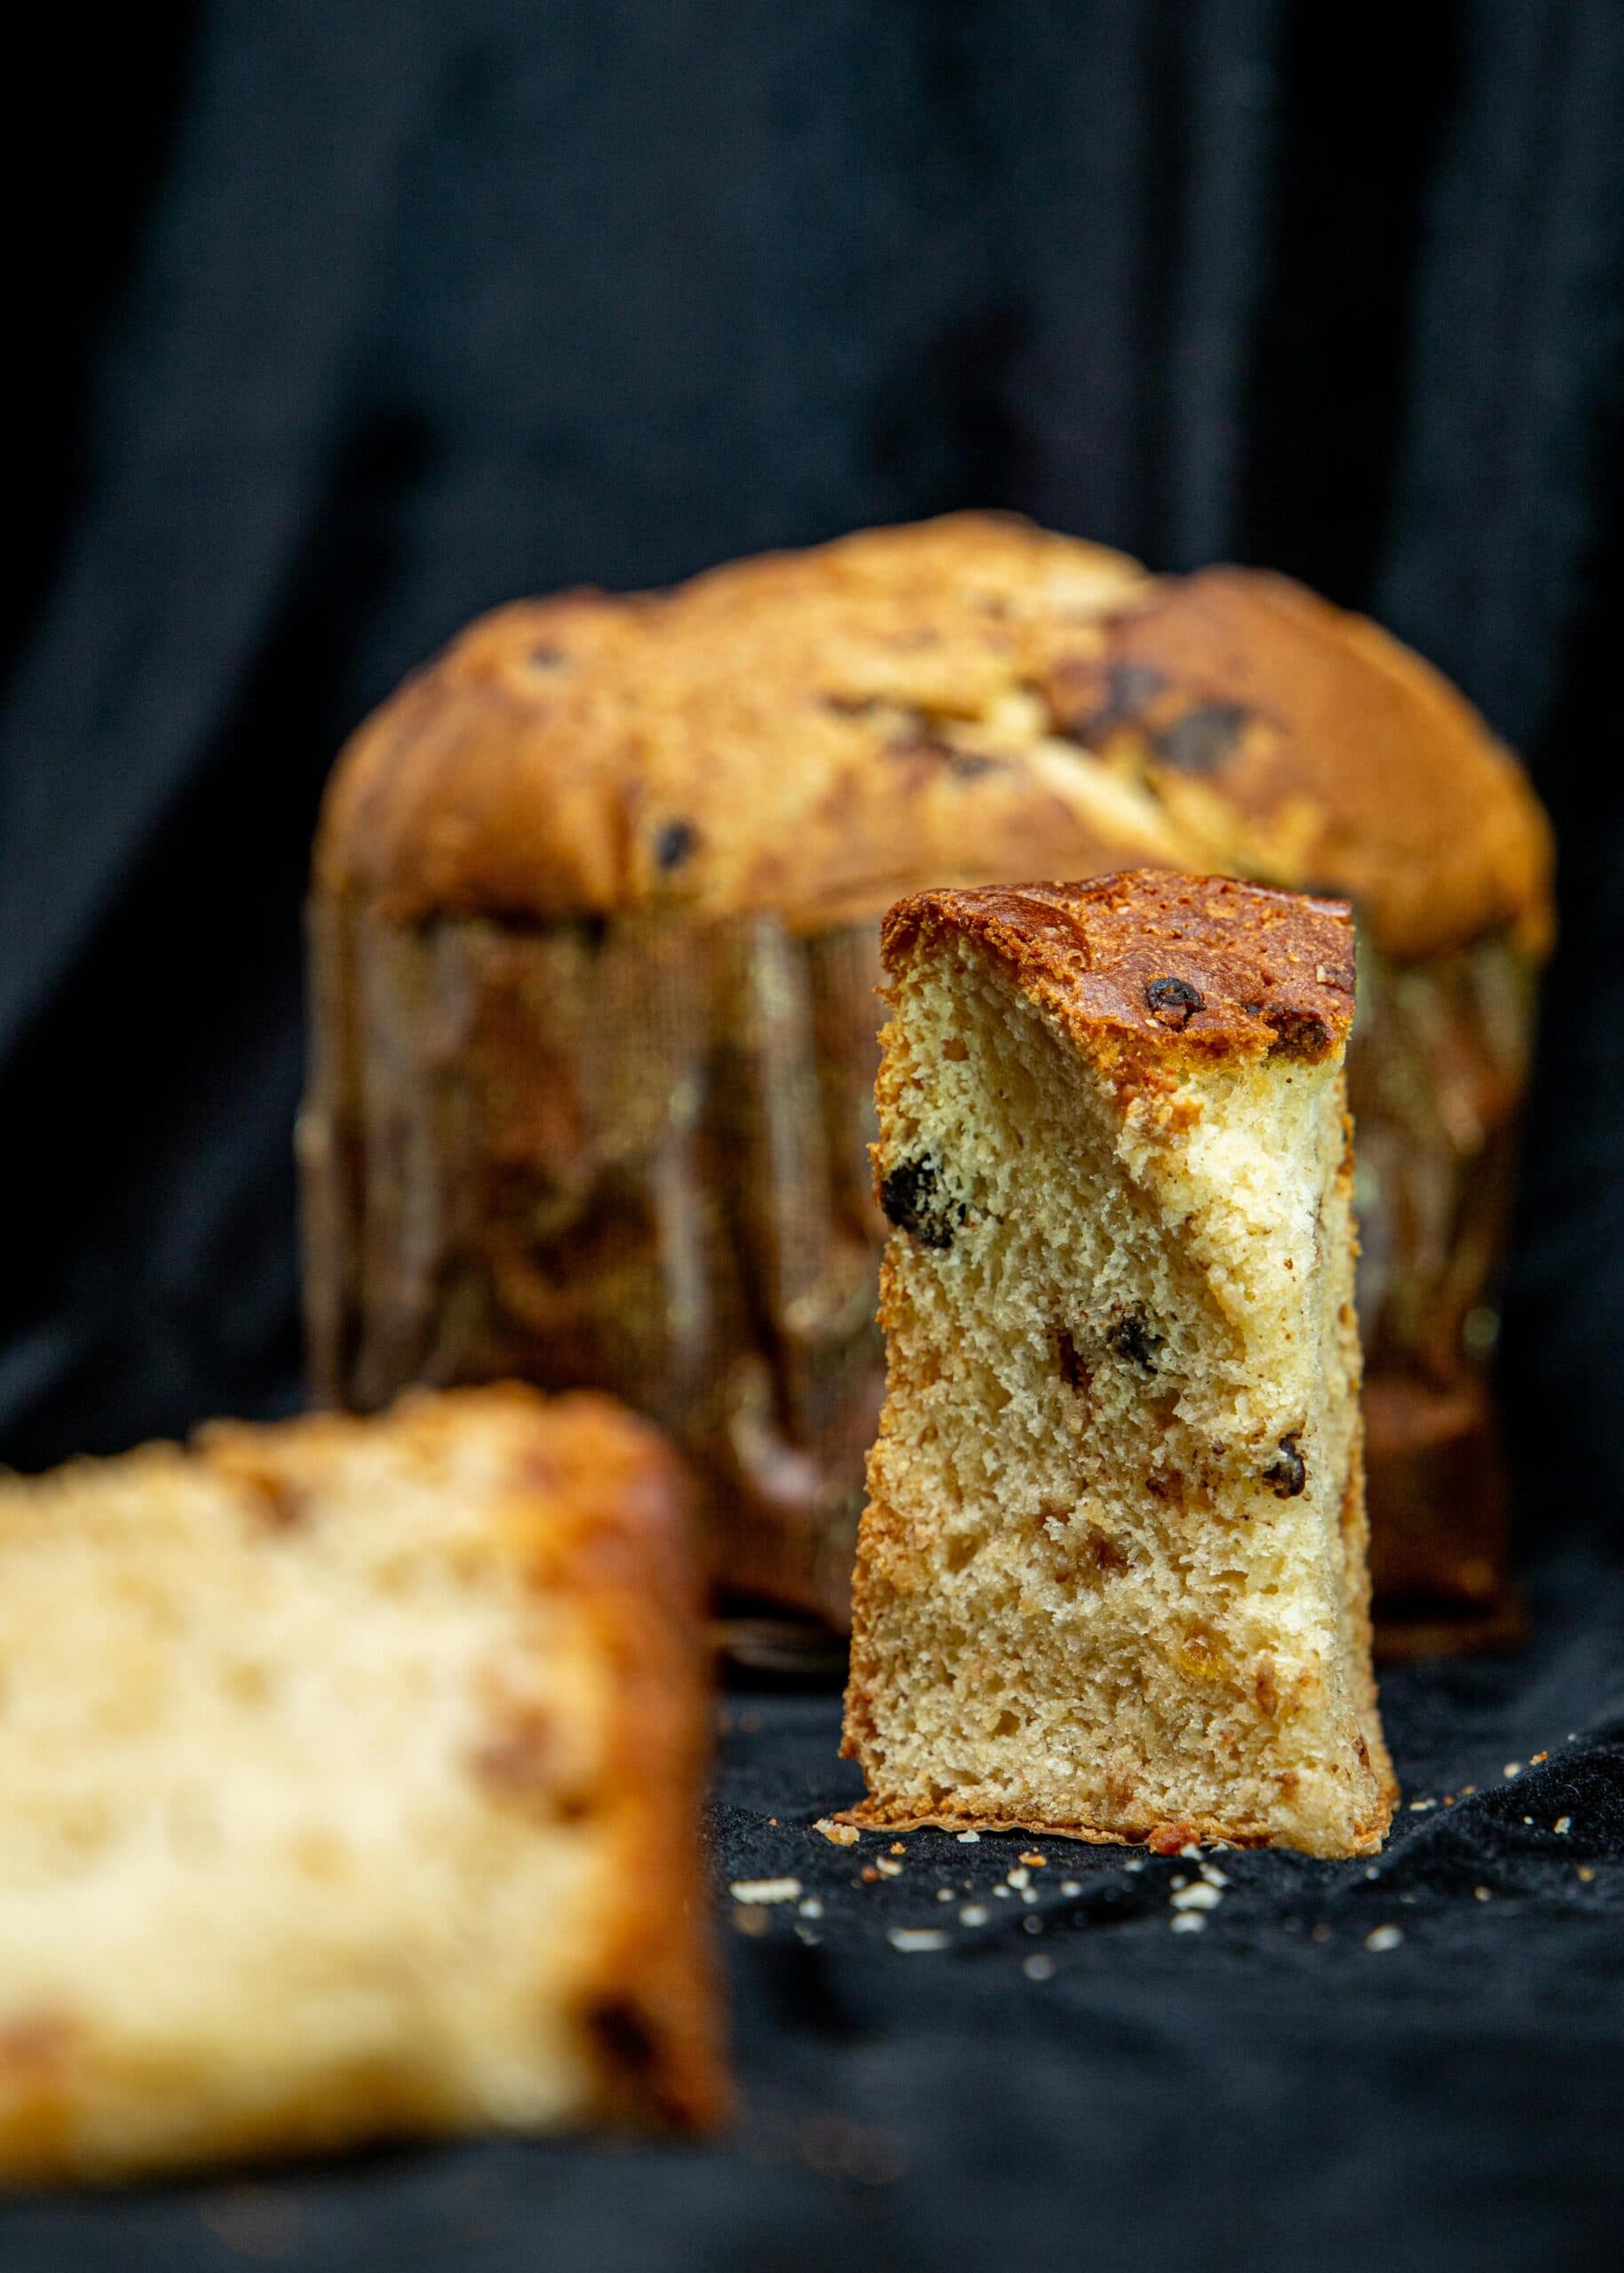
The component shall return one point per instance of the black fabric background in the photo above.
(332, 324)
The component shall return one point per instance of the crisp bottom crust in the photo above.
(1162, 1837)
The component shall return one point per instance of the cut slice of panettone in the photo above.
(350, 1777)
(1112, 1575)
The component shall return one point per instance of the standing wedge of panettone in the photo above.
(350, 1774)
(1111, 1577)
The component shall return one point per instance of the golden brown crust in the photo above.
(649, 2018)
(1294, 741)
(810, 733)
(967, 700)
(1157, 965)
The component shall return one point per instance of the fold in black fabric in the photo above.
(374, 316)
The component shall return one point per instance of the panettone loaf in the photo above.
(1110, 1579)
(350, 1774)
(594, 936)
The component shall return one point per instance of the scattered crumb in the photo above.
(1017, 1877)
(1420, 1807)
(1134, 1863)
(1189, 1921)
(1371, 1871)
(1527, 1818)
(1449, 1799)
(838, 1834)
(974, 1913)
(811, 1908)
(897, 1848)
(1562, 1825)
(757, 1891)
(1199, 1897)
(1002, 1893)
(969, 1838)
(1181, 1881)
(912, 1940)
(1071, 1886)
(943, 1894)
(1467, 1790)
(1213, 1875)
(871, 1877)
(772, 1820)
(1038, 1967)
(1586, 1873)
(1038, 1862)
(886, 1868)
(1383, 1938)
(1535, 1758)
(1481, 1894)
(1513, 1768)
(808, 1934)
(1028, 1894)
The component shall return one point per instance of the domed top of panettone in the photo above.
(966, 701)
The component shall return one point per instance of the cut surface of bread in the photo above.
(349, 1775)
(1111, 1577)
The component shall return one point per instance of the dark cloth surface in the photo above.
(337, 324)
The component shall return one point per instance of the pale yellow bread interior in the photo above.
(1111, 1576)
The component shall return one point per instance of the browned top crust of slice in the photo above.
(964, 700)
(1158, 966)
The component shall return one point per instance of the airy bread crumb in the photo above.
(1112, 1578)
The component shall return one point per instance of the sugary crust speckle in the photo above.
(969, 699)
(1158, 966)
